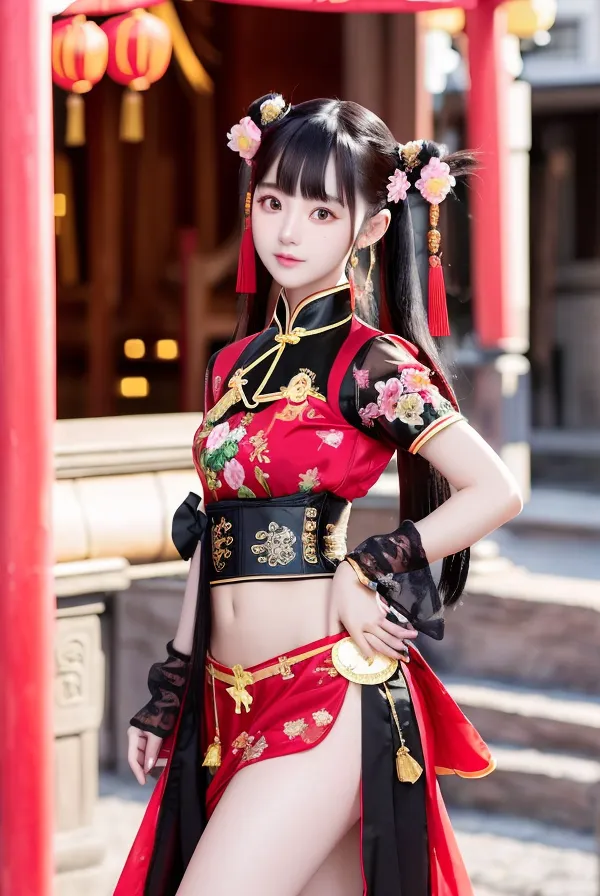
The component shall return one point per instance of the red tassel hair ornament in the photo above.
(246, 275)
(437, 313)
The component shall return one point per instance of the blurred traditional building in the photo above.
(146, 249)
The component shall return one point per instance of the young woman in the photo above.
(303, 729)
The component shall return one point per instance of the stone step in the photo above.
(556, 788)
(517, 626)
(544, 720)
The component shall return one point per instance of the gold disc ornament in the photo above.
(349, 662)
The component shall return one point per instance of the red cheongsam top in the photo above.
(318, 401)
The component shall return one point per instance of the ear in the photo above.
(374, 229)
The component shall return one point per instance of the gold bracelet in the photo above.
(362, 578)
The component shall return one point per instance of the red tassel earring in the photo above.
(439, 324)
(246, 276)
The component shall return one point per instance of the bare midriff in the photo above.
(255, 621)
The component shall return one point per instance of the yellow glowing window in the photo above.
(167, 349)
(134, 348)
(134, 387)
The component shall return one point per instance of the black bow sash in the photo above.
(189, 526)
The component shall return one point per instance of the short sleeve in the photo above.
(394, 397)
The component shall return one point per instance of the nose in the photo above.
(289, 231)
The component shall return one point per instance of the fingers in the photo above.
(381, 647)
(398, 630)
(153, 745)
(360, 639)
(135, 753)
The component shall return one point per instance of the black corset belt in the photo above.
(298, 536)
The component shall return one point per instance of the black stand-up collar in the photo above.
(326, 308)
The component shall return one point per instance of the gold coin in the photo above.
(349, 662)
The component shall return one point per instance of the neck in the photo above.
(297, 295)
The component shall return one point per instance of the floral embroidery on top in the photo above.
(404, 398)
(331, 437)
(361, 377)
(222, 445)
(322, 718)
(309, 480)
(260, 447)
(395, 404)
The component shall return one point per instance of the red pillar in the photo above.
(27, 410)
(487, 134)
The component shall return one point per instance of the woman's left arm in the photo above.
(485, 493)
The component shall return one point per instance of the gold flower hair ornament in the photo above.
(273, 109)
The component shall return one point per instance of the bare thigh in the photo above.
(280, 819)
(340, 874)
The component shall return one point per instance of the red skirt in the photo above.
(294, 710)
(252, 718)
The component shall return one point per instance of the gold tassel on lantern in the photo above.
(407, 768)
(75, 130)
(132, 117)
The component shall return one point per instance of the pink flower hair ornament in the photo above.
(436, 181)
(244, 138)
(398, 186)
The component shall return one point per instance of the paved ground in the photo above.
(505, 857)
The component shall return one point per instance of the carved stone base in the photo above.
(78, 702)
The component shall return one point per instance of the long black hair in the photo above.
(365, 151)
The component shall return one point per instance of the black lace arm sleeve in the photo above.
(397, 566)
(166, 683)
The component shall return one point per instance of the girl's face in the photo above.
(304, 243)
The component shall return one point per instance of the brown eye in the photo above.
(274, 204)
(323, 214)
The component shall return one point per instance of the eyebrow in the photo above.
(267, 185)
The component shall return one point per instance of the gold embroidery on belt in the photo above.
(334, 542)
(285, 669)
(309, 535)
(277, 549)
(238, 691)
(220, 543)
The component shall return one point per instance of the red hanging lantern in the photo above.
(79, 60)
(139, 52)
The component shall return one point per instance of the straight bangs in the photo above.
(301, 149)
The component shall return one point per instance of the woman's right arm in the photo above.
(145, 741)
(185, 630)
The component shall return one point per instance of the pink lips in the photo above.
(288, 261)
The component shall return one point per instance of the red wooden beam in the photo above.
(106, 7)
(358, 5)
(487, 133)
(27, 411)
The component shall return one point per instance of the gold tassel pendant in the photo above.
(212, 757)
(407, 768)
